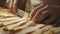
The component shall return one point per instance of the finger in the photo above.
(39, 13)
(7, 3)
(35, 10)
(11, 5)
(42, 17)
(15, 6)
(50, 20)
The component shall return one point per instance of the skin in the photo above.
(48, 14)
(14, 4)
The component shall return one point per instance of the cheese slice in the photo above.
(30, 29)
(9, 27)
(24, 25)
(42, 30)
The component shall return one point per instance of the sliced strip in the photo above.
(9, 27)
(11, 22)
(42, 31)
(24, 25)
(7, 19)
(30, 29)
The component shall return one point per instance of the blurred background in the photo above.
(25, 5)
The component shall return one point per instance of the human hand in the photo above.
(46, 14)
(12, 5)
